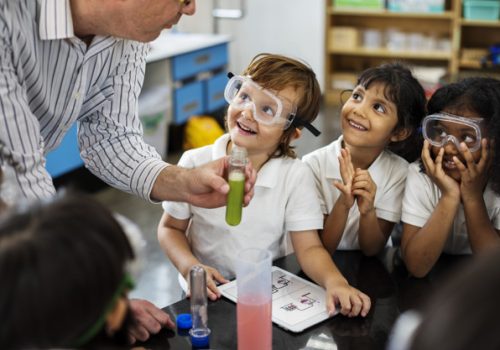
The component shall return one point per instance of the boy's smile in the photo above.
(259, 139)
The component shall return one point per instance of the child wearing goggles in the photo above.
(268, 106)
(451, 201)
(64, 276)
(360, 180)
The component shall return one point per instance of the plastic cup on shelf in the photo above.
(254, 288)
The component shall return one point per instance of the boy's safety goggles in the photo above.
(441, 128)
(267, 107)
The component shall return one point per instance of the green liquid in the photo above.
(235, 198)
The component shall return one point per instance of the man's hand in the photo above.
(204, 186)
(148, 320)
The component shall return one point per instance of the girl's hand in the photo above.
(347, 173)
(364, 189)
(434, 169)
(474, 176)
(349, 300)
(213, 276)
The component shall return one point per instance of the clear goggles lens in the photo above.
(441, 128)
(267, 107)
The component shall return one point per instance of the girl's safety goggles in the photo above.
(441, 128)
(267, 107)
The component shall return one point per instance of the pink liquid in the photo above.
(254, 326)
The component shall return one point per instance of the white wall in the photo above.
(290, 27)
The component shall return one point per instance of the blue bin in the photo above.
(482, 10)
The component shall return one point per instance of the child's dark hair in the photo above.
(408, 95)
(61, 263)
(481, 96)
(276, 72)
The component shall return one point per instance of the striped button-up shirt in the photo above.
(49, 79)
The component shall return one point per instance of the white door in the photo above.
(290, 27)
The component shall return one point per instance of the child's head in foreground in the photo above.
(63, 272)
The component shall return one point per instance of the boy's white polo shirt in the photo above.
(284, 200)
(421, 198)
(388, 172)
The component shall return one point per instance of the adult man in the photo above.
(63, 61)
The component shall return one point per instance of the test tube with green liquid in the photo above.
(236, 178)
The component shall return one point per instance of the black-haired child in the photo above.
(452, 196)
(360, 180)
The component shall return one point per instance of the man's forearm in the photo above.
(171, 184)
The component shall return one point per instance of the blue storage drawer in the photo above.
(66, 156)
(188, 101)
(192, 63)
(214, 92)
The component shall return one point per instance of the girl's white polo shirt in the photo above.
(284, 200)
(422, 196)
(388, 172)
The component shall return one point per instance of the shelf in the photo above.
(471, 64)
(447, 15)
(346, 52)
(478, 23)
(419, 55)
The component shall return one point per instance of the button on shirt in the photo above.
(49, 79)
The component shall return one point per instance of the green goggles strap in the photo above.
(126, 283)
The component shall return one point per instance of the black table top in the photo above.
(383, 278)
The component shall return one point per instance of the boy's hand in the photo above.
(434, 169)
(213, 276)
(364, 189)
(474, 176)
(148, 319)
(351, 301)
(347, 173)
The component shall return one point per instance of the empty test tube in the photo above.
(199, 333)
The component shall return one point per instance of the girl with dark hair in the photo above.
(360, 181)
(63, 270)
(452, 201)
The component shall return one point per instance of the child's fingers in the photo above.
(330, 305)
(367, 304)
(467, 154)
(345, 304)
(485, 160)
(363, 194)
(357, 304)
(426, 158)
(218, 277)
(211, 295)
(212, 290)
(461, 166)
(439, 161)
(341, 187)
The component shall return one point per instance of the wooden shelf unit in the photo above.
(462, 34)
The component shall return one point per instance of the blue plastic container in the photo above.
(482, 10)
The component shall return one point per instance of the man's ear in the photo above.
(400, 135)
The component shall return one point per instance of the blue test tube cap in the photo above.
(200, 342)
(184, 321)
